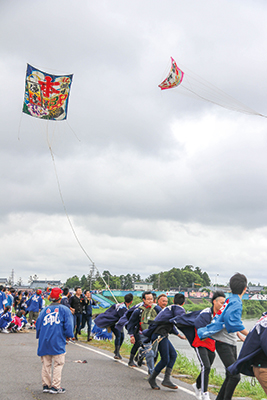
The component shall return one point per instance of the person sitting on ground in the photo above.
(53, 327)
(205, 349)
(223, 328)
(109, 319)
(5, 320)
(21, 315)
(16, 321)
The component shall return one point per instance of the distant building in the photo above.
(3, 281)
(44, 284)
(255, 289)
(143, 286)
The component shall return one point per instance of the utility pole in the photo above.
(12, 277)
(92, 273)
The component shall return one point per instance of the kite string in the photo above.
(70, 223)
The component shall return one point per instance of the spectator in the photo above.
(3, 300)
(87, 312)
(53, 327)
(34, 306)
(76, 302)
(65, 297)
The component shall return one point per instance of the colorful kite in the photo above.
(46, 96)
(174, 78)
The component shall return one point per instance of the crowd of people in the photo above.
(149, 324)
(214, 329)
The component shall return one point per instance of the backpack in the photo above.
(148, 314)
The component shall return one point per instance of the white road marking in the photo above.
(124, 363)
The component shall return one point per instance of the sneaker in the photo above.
(205, 396)
(46, 389)
(5, 331)
(53, 390)
(197, 391)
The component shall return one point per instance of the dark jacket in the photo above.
(77, 304)
(254, 345)
(111, 316)
(87, 306)
(171, 317)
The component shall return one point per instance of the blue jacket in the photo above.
(3, 301)
(111, 316)
(87, 307)
(53, 326)
(65, 301)
(175, 315)
(5, 320)
(123, 321)
(255, 343)
(134, 321)
(204, 318)
(34, 303)
(229, 317)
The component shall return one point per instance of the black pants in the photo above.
(228, 355)
(137, 344)
(206, 358)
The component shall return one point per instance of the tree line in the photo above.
(186, 277)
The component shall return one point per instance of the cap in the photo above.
(38, 291)
(56, 294)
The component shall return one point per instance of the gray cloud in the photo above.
(150, 179)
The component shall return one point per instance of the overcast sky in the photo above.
(150, 180)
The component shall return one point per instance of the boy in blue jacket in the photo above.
(223, 328)
(53, 326)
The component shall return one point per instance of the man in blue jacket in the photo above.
(34, 306)
(54, 325)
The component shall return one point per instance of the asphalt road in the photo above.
(101, 378)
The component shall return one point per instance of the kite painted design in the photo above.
(174, 78)
(46, 96)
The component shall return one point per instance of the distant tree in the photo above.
(84, 282)
(72, 282)
(206, 279)
(98, 285)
